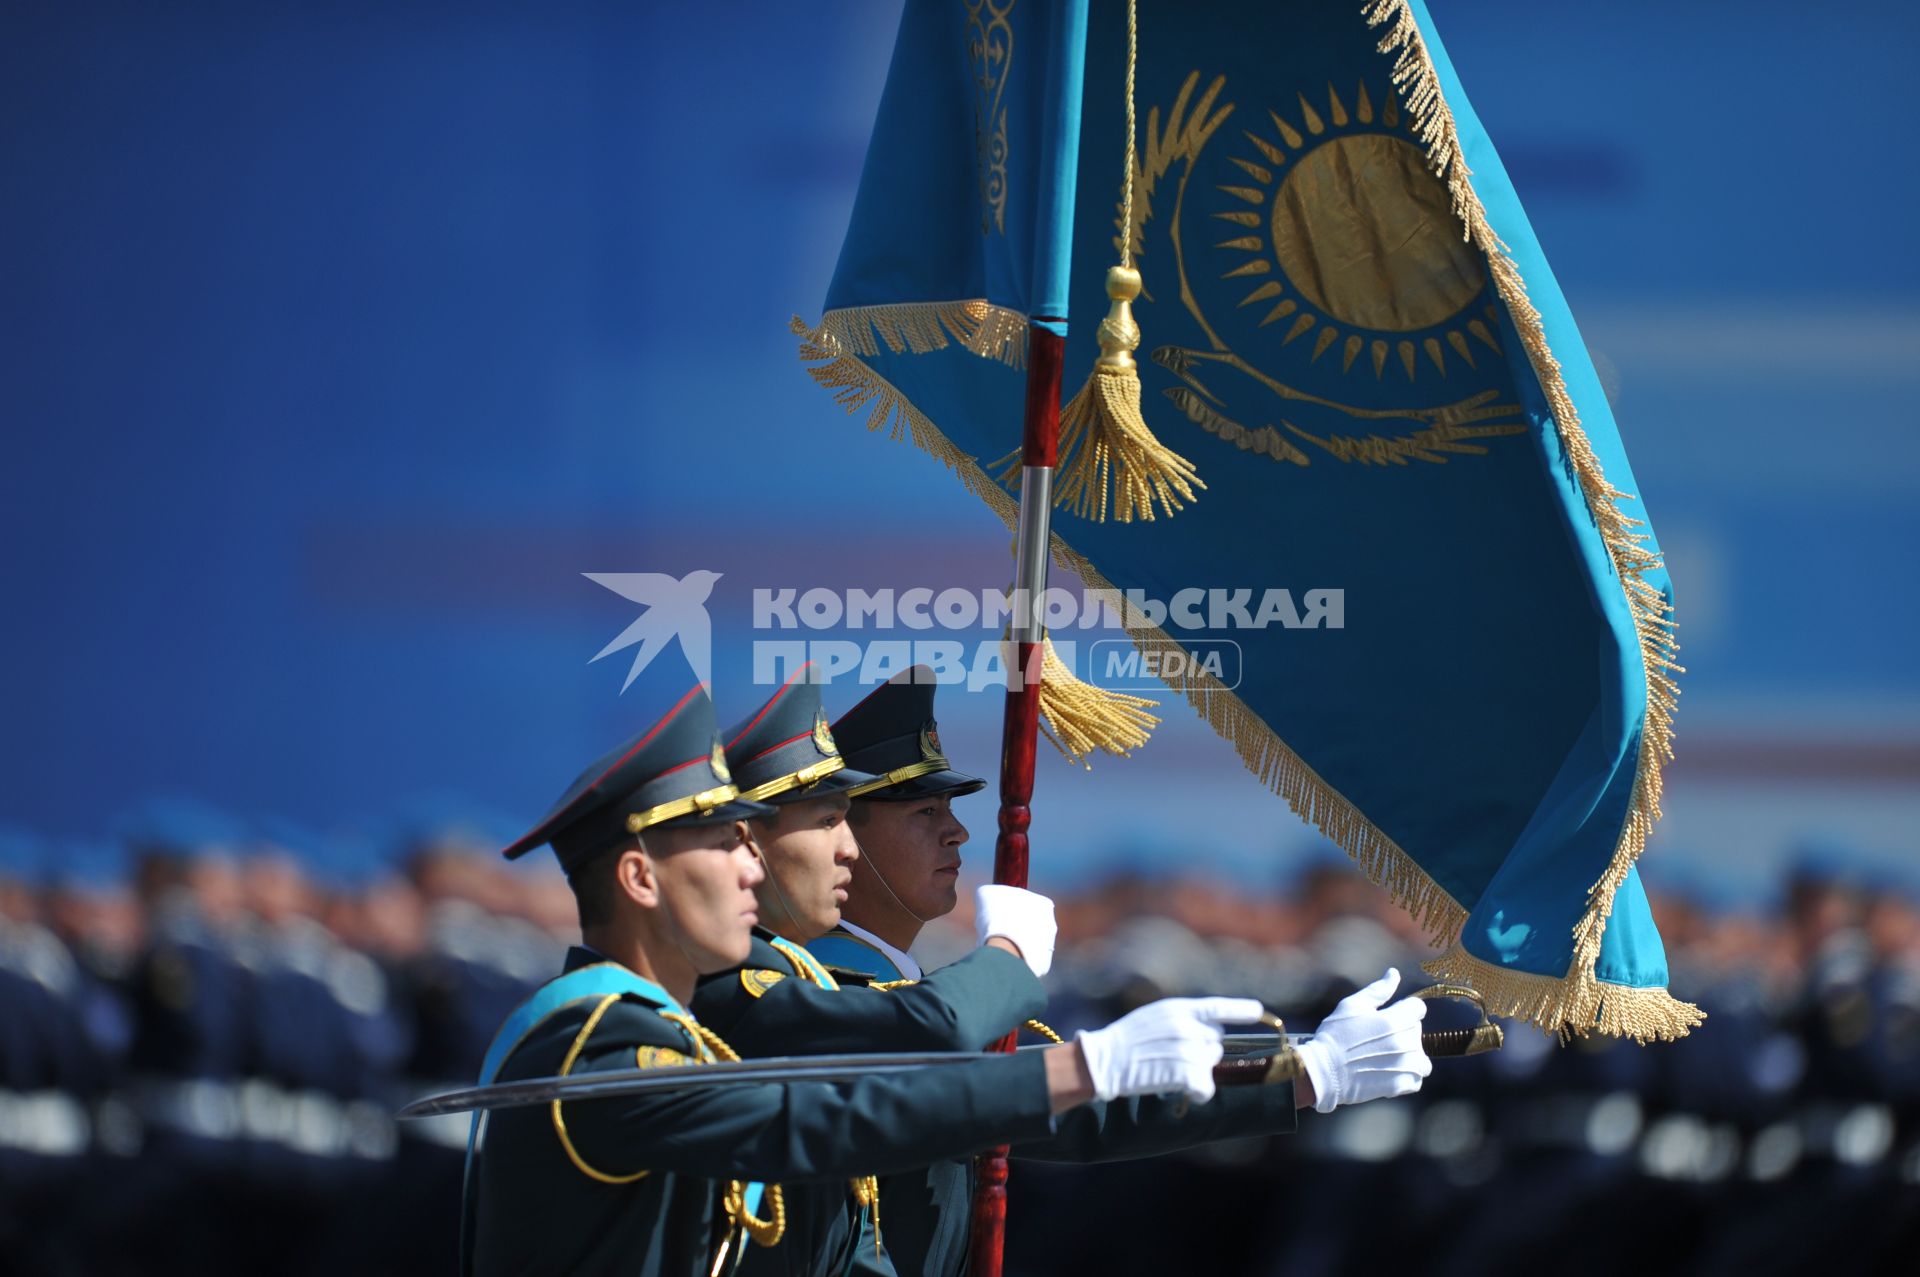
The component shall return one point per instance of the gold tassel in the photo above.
(866, 1195)
(1107, 454)
(1081, 717)
(1105, 446)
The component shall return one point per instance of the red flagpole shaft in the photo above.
(1020, 731)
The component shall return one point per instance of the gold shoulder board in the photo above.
(757, 980)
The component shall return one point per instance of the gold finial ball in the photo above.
(1123, 283)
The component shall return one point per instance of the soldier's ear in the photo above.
(745, 830)
(635, 877)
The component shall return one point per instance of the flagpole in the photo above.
(1020, 725)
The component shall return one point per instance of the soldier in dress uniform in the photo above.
(653, 842)
(782, 1001)
(907, 875)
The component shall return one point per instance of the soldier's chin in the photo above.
(945, 897)
(731, 952)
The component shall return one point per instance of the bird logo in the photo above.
(675, 609)
(1507, 940)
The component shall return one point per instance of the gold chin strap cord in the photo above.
(794, 780)
(701, 803)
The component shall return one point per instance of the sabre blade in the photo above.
(612, 1083)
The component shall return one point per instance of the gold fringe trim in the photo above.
(1418, 81)
(857, 386)
(992, 332)
(1082, 717)
(1576, 1005)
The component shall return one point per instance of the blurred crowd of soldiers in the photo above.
(204, 1036)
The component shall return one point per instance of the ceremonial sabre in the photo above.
(1251, 1058)
(612, 1082)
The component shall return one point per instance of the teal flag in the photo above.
(1451, 631)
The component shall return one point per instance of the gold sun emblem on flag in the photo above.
(1343, 209)
(1309, 238)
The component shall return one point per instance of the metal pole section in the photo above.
(1020, 732)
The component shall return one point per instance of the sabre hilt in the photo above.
(1484, 1036)
(1284, 1064)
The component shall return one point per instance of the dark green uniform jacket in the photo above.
(926, 1213)
(782, 1002)
(631, 1185)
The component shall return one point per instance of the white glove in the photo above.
(1362, 1053)
(1169, 1045)
(1016, 914)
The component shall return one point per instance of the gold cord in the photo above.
(1126, 189)
(560, 1123)
(1043, 1031)
(866, 1188)
(765, 1232)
